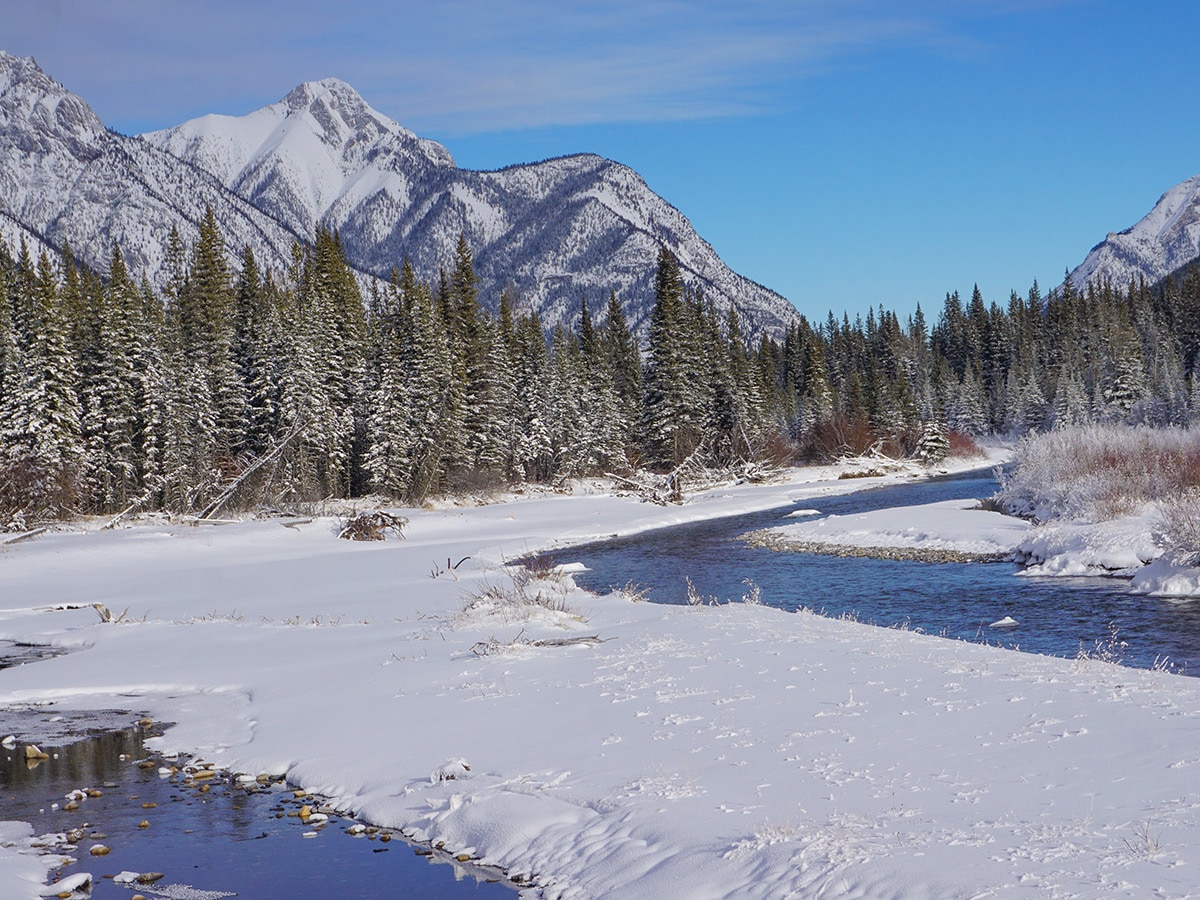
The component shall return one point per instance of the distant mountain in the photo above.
(553, 230)
(1167, 239)
(65, 178)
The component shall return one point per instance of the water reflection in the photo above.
(213, 835)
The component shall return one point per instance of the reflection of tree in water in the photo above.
(87, 762)
(204, 833)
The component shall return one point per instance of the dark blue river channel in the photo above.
(202, 840)
(1056, 616)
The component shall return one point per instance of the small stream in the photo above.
(206, 839)
(1056, 616)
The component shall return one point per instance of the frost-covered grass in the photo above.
(1110, 500)
(1101, 472)
(1179, 531)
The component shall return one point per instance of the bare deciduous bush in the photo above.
(372, 526)
(1099, 472)
(963, 446)
(31, 492)
(842, 435)
(1179, 531)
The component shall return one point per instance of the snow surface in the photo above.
(1167, 578)
(954, 525)
(697, 752)
(1114, 547)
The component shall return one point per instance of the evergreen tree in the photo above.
(432, 394)
(117, 392)
(255, 347)
(205, 315)
(934, 444)
(388, 458)
(672, 415)
(623, 360)
(40, 441)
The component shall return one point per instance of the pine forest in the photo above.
(237, 387)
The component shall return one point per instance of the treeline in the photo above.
(293, 386)
(1107, 354)
(297, 387)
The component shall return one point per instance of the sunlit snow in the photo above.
(709, 751)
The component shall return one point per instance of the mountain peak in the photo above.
(341, 118)
(36, 106)
(1163, 240)
(332, 93)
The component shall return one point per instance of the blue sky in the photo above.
(845, 153)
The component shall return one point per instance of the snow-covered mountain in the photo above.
(1167, 238)
(553, 230)
(65, 178)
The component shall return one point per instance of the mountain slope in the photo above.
(1167, 238)
(552, 231)
(65, 178)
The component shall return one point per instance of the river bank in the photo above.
(733, 750)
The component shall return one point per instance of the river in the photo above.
(1056, 616)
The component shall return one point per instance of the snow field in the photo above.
(687, 752)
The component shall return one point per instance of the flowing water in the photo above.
(227, 841)
(1056, 616)
(209, 840)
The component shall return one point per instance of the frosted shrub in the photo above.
(520, 596)
(1099, 472)
(1179, 532)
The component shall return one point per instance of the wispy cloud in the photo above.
(463, 66)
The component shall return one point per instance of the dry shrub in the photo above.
(777, 450)
(372, 526)
(963, 446)
(539, 566)
(1099, 472)
(842, 435)
(901, 443)
(520, 598)
(1180, 528)
(862, 473)
(31, 492)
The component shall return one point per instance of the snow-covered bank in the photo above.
(1114, 547)
(1111, 499)
(1165, 578)
(952, 530)
(693, 752)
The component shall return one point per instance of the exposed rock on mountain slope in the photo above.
(65, 178)
(1166, 239)
(553, 230)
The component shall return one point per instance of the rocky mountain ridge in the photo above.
(1164, 240)
(551, 231)
(65, 178)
